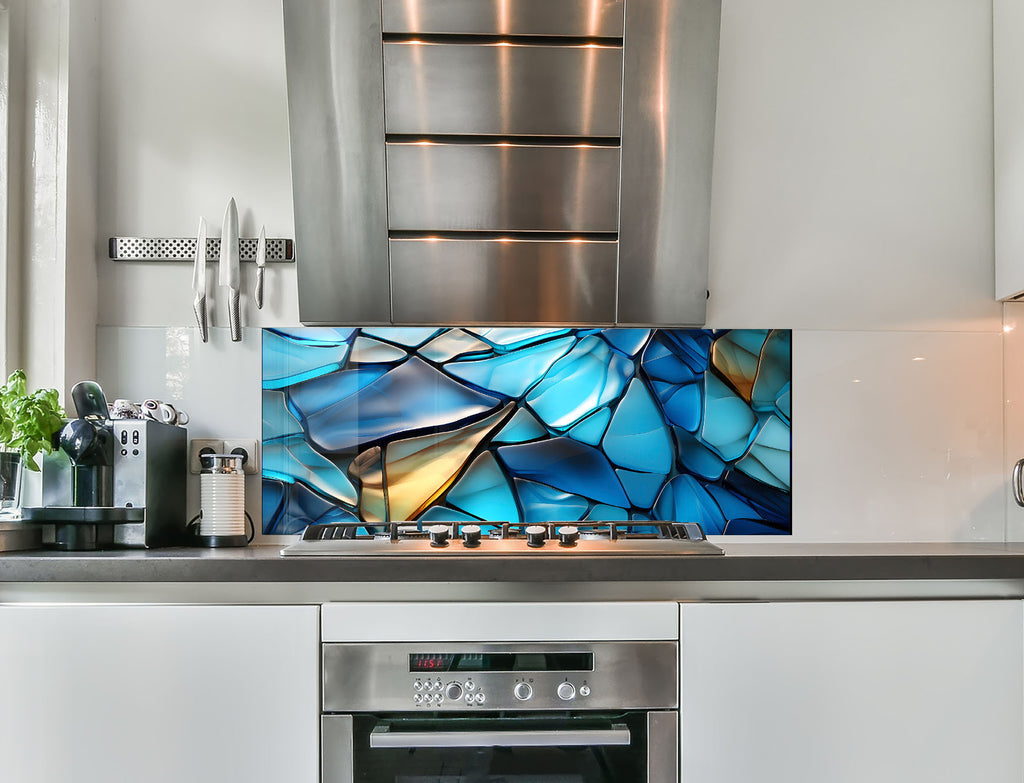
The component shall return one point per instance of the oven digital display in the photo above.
(502, 662)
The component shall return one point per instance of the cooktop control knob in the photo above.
(522, 691)
(566, 691)
(535, 535)
(438, 535)
(568, 535)
(453, 691)
(471, 535)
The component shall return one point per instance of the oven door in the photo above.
(630, 747)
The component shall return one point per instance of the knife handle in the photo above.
(234, 317)
(258, 293)
(199, 306)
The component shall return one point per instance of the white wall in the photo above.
(852, 202)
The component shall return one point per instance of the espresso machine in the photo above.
(112, 482)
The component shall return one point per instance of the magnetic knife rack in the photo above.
(279, 251)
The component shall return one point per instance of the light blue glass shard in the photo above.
(521, 427)
(728, 421)
(682, 403)
(592, 428)
(512, 373)
(603, 513)
(684, 500)
(627, 341)
(662, 364)
(445, 514)
(693, 346)
(639, 516)
(590, 376)
(542, 503)
(637, 438)
(301, 507)
(484, 491)
(319, 394)
(566, 465)
(292, 459)
(278, 421)
(409, 337)
(367, 351)
(411, 396)
(316, 335)
(733, 507)
(641, 488)
(512, 338)
(453, 343)
(774, 373)
(697, 458)
(286, 361)
(783, 404)
(768, 459)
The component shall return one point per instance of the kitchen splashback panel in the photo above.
(527, 425)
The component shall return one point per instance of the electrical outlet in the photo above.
(249, 448)
(198, 446)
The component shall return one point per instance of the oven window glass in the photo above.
(543, 762)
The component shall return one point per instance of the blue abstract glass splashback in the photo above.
(527, 425)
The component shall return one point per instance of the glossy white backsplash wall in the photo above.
(852, 202)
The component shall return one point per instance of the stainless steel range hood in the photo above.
(502, 161)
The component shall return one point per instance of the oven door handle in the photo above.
(382, 737)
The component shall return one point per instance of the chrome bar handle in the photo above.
(1018, 489)
(383, 737)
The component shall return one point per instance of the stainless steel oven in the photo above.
(519, 712)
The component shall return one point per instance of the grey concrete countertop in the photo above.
(749, 571)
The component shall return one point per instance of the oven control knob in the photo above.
(584, 690)
(535, 535)
(566, 691)
(568, 535)
(438, 535)
(522, 691)
(453, 691)
(471, 535)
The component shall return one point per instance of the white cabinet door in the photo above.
(159, 694)
(1008, 119)
(852, 692)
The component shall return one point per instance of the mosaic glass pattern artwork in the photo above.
(527, 425)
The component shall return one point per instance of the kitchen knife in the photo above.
(229, 275)
(199, 281)
(261, 262)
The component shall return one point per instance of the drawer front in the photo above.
(596, 18)
(461, 281)
(502, 89)
(502, 187)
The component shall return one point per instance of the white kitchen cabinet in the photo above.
(1008, 135)
(159, 694)
(852, 692)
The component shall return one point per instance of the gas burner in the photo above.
(499, 539)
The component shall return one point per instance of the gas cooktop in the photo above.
(455, 539)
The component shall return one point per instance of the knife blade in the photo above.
(261, 262)
(229, 274)
(199, 282)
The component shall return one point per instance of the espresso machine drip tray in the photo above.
(82, 528)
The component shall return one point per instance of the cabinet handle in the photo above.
(382, 737)
(1018, 489)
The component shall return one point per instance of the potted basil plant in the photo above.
(28, 423)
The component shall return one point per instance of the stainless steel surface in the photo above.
(670, 82)
(279, 251)
(336, 121)
(505, 89)
(376, 677)
(662, 744)
(261, 263)
(528, 281)
(592, 18)
(336, 748)
(19, 536)
(502, 187)
(221, 463)
(383, 737)
(500, 548)
(1018, 489)
(228, 268)
(199, 282)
